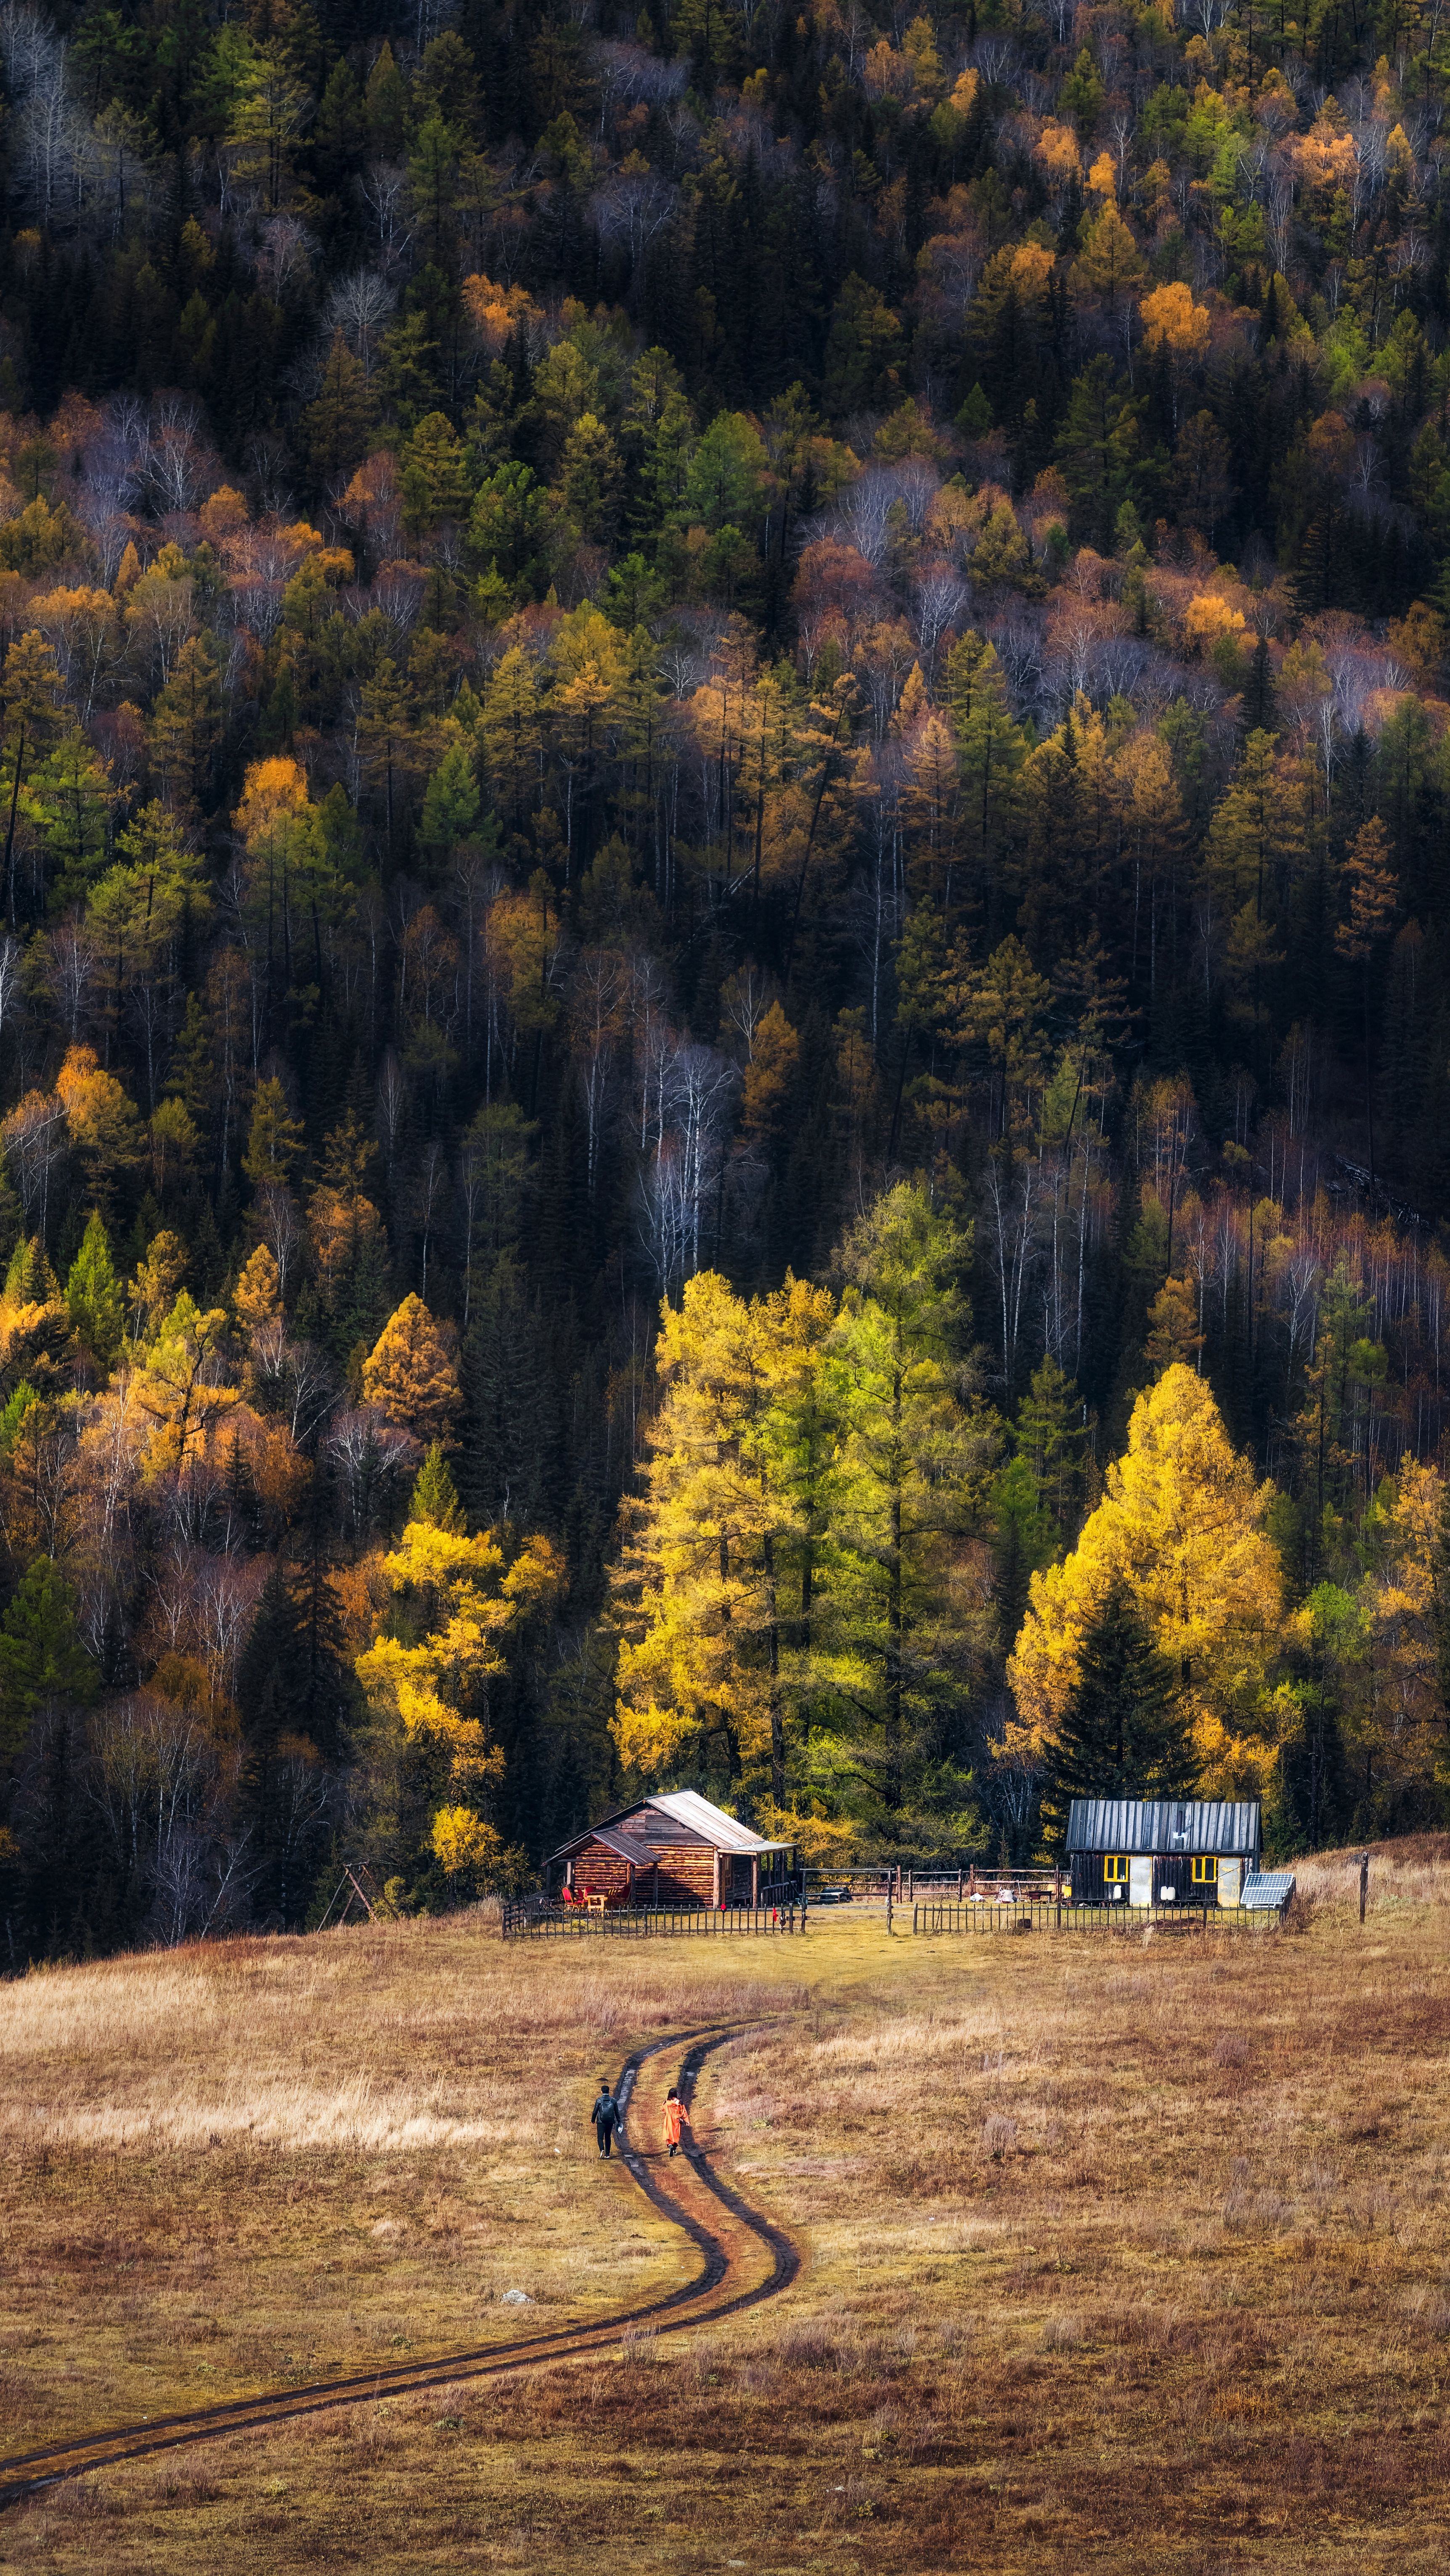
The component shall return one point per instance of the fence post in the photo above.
(888, 1900)
(1363, 1883)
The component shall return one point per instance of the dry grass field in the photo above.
(1116, 2250)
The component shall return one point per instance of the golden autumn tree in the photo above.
(104, 1128)
(1181, 1525)
(291, 885)
(36, 1327)
(257, 1297)
(713, 1599)
(427, 1673)
(774, 1054)
(412, 1373)
(1172, 321)
(180, 1385)
(1173, 1327)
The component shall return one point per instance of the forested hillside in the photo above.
(781, 662)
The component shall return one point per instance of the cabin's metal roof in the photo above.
(712, 1825)
(695, 1820)
(1267, 1890)
(1164, 1825)
(623, 1846)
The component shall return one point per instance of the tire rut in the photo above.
(29, 2473)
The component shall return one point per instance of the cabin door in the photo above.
(1140, 1881)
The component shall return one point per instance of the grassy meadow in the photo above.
(1131, 2248)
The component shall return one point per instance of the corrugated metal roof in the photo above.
(712, 1825)
(684, 1807)
(1164, 1825)
(1267, 1890)
(623, 1846)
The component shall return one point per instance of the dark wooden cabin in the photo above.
(675, 1849)
(1162, 1851)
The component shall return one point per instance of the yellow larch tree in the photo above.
(180, 1385)
(712, 1598)
(1172, 319)
(454, 1598)
(257, 1297)
(1182, 1522)
(411, 1372)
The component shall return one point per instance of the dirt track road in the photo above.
(744, 2259)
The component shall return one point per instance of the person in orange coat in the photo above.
(676, 2119)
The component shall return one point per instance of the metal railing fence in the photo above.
(533, 1920)
(1051, 1916)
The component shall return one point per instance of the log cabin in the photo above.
(1163, 1851)
(673, 1850)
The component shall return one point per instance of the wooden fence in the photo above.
(533, 1921)
(903, 1885)
(1047, 1915)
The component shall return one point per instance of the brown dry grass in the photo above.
(1113, 2249)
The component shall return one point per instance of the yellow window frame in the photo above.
(1115, 1867)
(1205, 1870)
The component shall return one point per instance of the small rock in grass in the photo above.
(517, 2299)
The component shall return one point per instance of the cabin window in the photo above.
(1205, 1871)
(1116, 1865)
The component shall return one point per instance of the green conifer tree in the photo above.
(338, 421)
(900, 1641)
(451, 801)
(435, 1495)
(275, 1138)
(29, 1279)
(93, 1295)
(41, 1655)
(1125, 1734)
(1050, 1438)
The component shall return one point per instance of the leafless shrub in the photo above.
(999, 2136)
(1065, 2333)
(1430, 2307)
(1230, 2049)
(188, 2488)
(81, 2500)
(815, 2345)
(759, 2378)
(849, 2502)
(1261, 2213)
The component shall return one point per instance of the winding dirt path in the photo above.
(732, 2239)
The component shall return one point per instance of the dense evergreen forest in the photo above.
(725, 990)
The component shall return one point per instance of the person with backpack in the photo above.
(676, 2119)
(606, 2116)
